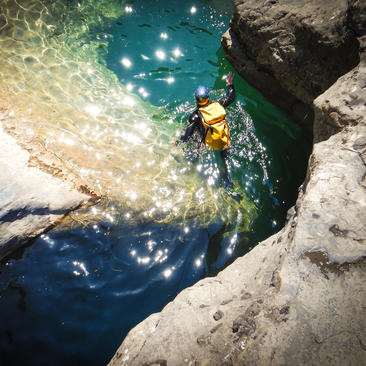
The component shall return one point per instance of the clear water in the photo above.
(106, 86)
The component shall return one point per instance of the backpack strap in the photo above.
(204, 124)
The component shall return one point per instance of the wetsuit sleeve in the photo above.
(230, 96)
(194, 122)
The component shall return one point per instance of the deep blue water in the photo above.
(71, 296)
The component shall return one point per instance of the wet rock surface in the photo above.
(298, 298)
(31, 201)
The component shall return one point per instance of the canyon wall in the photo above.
(298, 298)
(293, 50)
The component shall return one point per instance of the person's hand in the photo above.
(174, 143)
(230, 78)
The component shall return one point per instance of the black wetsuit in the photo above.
(195, 120)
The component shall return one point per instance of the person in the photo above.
(209, 120)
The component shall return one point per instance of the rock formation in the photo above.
(292, 51)
(31, 201)
(298, 298)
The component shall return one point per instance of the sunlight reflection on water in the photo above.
(163, 222)
(101, 132)
(107, 136)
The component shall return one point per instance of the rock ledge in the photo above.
(31, 201)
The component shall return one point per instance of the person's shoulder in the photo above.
(195, 111)
(194, 114)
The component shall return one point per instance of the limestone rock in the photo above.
(292, 50)
(342, 105)
(357, 16)
(296, 299)
(31, 201)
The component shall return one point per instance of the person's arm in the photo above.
(230, 93)
(194, 122)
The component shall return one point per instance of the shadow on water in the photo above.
(105, 87)
(82, 299)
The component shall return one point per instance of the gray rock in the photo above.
(342, 105)
(292, 51)
(298, 298)
(31, 201)
(357, 16)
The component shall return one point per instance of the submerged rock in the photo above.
(298, 297)
(31, 201)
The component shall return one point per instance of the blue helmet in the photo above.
(202, 95)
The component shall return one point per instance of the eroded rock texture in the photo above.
(294, 50)
(31, 201)
(343, 104)
(298, 298)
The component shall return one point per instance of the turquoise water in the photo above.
(71, 296)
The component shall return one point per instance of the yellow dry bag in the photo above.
(217, 134)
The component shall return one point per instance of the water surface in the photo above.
(106, 86)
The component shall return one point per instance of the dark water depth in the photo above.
(72, 295)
